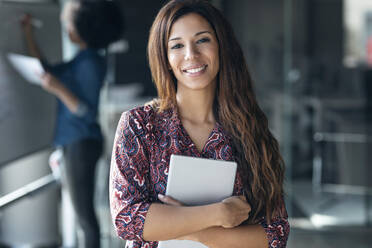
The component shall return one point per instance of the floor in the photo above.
(351, 237)
(326, 219)
(329, 207)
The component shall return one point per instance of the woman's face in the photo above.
(66, 18)
(193, 52)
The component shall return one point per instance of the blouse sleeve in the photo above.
(278, 230)
(128, 178)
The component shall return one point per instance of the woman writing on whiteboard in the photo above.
(76, 84)
(206, 107)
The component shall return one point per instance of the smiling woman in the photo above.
(206, 108)
(193, 53)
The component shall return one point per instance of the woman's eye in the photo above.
(177, 46)
(203, 40)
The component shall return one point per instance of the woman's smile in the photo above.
(195, 71)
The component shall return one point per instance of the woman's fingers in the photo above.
(46, 79)
(50, 83)
(236, 210)
(26, 20)
(242, 197)
(169, 200)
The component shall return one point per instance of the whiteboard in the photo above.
(27, 112)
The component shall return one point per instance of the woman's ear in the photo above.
(74, 37)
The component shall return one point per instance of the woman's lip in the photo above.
(196, 71)
(193, 67)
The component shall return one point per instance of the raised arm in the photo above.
(32, 47)
(49, 82)
(56, 87)
(89, 78)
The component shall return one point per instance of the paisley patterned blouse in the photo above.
(144, 141)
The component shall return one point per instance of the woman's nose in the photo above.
(191, 52)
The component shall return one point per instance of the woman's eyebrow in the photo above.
(198, 33)
(202, 32)
(175, 38)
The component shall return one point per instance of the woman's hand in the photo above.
(51, 84)
(234, 210)
(26, 24)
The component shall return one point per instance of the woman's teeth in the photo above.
(195, 70)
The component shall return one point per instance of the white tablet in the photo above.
(198, 181)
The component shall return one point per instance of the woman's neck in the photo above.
(82, 45)
(196, 106)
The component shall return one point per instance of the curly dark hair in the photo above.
(98, 23)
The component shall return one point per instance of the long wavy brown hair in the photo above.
(236, 108)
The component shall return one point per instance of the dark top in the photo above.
(83, 76)
(144, 141)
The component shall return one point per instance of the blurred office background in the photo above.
(311, 61)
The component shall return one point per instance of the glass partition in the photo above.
(326, 99)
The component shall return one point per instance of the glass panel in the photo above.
(326, 100)
(310, 61)
(358, 32)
